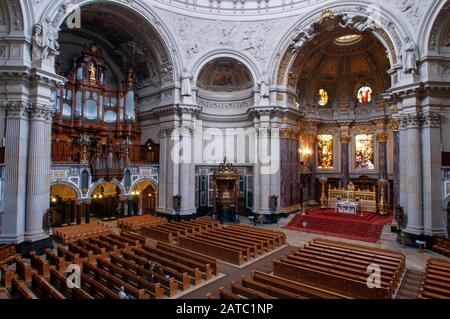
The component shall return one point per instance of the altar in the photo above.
(347, 207)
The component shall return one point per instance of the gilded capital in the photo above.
(344, 139)
(382, 137)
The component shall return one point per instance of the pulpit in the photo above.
(225, 196)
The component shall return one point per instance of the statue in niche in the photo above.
(263, 83)
(304, 36)
(186, 77)
(409, 58)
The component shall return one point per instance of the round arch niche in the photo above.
(225, 87)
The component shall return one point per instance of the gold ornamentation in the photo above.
(344, 139)
(92, 73)
(382, 137)
(394, 125)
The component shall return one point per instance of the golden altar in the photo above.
(367, 198)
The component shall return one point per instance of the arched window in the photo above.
(323, 97)
(84, 180)
(127, 179)
(364, 94)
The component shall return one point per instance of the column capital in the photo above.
(16, 109)
(382, 137)
(412, 120)
(431, 119)
(344, 139)
(394, 124)
(40, 112)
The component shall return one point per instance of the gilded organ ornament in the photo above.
(325, 151)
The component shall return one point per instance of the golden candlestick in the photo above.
(323, 199)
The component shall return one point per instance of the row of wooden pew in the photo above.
(260, 285)
(436, 280)
(73, 233)
(8, 254)
(236, 244)
(108, 262)
(442, 246)
(135, 223)
(344, 268)
(171, 230)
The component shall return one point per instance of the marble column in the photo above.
(434, 216)
(396, 159)
(403, 134)
(264, 145)
(187, 184)
(173, 169)
(39, 161)
(275, 164)
(345, 177)
(12, 226)
(414, 193)
(382, 152)
(162, 172)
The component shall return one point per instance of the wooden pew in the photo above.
(68, 255)
(45, 288)
(247, 250)
(205, 268)
(157, 234)
(223, 294)
(268, 243)
(7, 276)
(131, 242)
(268, 289)
(195, 273)
(82, 252)
(249, 293)
(332, 282)
(230, 255)
(307, 291)
(23, 269)
(134, 236)
(59, 279)
(112, 241)
(101, 251)
(213, 262)
(96, 289)
(53, 259)
(103, 276)
(181, 277)
(41, 265)
(129, 277)
(4, 294)
(18, 287)
(106, 245)
(280, 237)
(256, 248)
(8, 254)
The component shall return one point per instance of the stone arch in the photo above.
(429, 26)
(56, 12)
(387, 29)
(101, 181)
(70, 184)
(152, 181)
(251, 65)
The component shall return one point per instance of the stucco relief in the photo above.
(413, 9)
(197, 35)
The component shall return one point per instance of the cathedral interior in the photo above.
(180, 149)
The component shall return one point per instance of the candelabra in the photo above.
(323, 199)
(383, 207)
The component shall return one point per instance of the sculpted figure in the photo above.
(304, 36)
(186, 83)
(409, 58)
(263, 83)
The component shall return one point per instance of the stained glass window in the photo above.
(323, 97)
(365, 155)
(325, 151)
(364, 94)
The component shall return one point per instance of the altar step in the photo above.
(364, 230)
(409, 289)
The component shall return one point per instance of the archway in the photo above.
(144, 197)
(340, 76)
(63, 205)
(106, 203)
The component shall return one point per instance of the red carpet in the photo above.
(365, 227)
